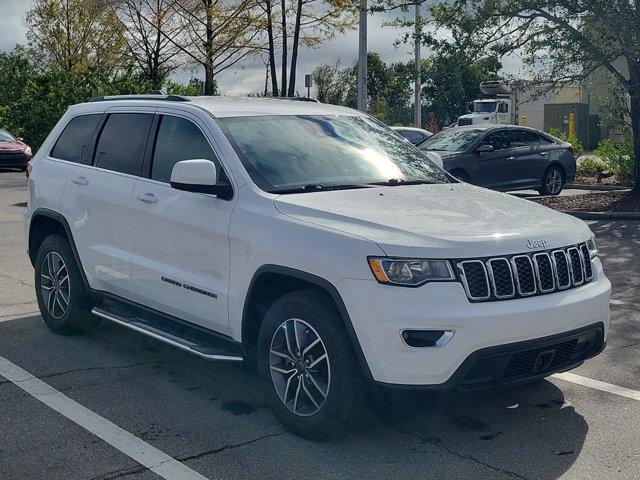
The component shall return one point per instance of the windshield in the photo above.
(287, 152)
(5, 137)
(451, 140)
(484, 107)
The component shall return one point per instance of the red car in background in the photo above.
(14, 153)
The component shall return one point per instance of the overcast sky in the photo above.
(249, 77)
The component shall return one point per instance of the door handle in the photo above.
(80, 181)
(543, 154)
(147, 197)
(511, 158)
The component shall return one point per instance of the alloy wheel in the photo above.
(300, 367)
(554, 181)
(55, 286)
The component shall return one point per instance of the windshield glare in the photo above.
(283, 152)
(451, 140)
(5, 137)
(484, 107)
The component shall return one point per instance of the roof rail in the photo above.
(297, 99)
(168, 98)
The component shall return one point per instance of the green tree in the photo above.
(451, 83)
(72, 35)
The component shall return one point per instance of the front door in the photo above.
(180, 243)
(494, 169)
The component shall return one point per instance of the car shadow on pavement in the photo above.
(205, 413)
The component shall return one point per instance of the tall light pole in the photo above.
(417, 103)
(362, 58)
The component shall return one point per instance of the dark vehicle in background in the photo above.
(14, 153)
(413, 134)
(505, 157)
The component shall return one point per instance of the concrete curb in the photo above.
(599, 188)
(605, 215)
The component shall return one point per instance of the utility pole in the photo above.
(417, 102)
(362, 58)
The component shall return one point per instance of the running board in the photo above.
(192, 339)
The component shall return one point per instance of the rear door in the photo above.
(530, 160)
(180, 249)
(97, 200)
(493, 169)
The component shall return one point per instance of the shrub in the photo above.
(618, 159)
(573, 140)
(591, 165)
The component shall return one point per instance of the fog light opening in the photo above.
(426, 338)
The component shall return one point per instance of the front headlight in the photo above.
(27, 151)
(410, 271)
(591, 245)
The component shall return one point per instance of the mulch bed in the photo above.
(594, 202)
(592, 179)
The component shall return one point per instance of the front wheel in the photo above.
(309, 372)
(552, 181)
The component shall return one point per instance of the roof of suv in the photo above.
(220, 106)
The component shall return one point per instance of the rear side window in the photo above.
(75, 138)
(178, 139)
(122, 142)
(524, 138)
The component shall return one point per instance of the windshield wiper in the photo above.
(317, 187)
(394, 182)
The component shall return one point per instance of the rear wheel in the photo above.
(552, 181)
(62, 297)
(307, 367)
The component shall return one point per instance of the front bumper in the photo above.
(380, 312)
(14, 160)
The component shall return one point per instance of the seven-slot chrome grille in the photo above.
(527, 274)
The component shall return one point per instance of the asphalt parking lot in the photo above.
(210, 418)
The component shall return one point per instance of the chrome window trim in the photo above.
(537, 270)
(555, 268)
(573, 280)
(465, 284)
(517, 275)
(493, 281)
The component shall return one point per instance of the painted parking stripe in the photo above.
(598, 385)
(139, 450)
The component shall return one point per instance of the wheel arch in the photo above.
(43, 223)
(270, 282)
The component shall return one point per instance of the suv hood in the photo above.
(442, 221)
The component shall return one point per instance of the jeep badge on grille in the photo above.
(537, 243)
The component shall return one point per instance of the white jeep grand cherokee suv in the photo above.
(310, 240)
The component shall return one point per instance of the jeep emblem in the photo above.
(537, 243)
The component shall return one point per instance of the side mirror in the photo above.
(484, 148)
(199, 176)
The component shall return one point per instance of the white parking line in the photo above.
(140, 451)
(598, 385)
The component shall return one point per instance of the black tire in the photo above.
(76, 317)
(461, 175)
(344, 405)
(552, 181)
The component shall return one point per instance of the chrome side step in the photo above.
(146, 327)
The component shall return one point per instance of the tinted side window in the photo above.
(178, 139)
(498, 140)
(524, 138)
(122, 141)
(75, 138)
